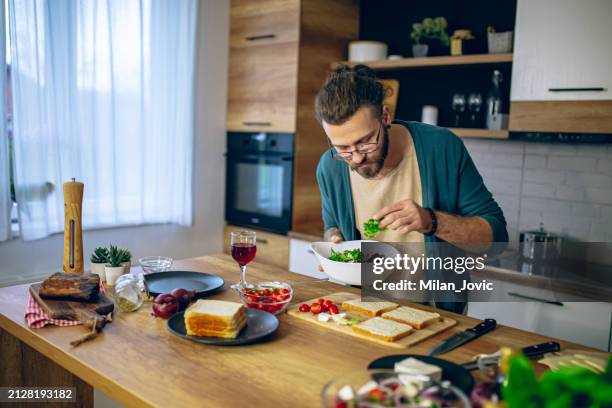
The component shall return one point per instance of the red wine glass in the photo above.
(243, 249)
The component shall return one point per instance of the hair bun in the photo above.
(364, 70)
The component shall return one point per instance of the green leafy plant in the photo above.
(371, 228)
(430, 29)
(114, 256)
(125, 255)
(569, 386)
(350, 256)
(100, 255)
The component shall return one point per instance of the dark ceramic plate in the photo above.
(260, 327)
(456, 374)
(200, 282)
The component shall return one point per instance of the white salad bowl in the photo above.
(345, 272)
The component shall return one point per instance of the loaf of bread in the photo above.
(215, 318)
(368, 308)
(414, 317)
(383, 329)
(83, 287)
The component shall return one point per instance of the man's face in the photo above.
(363, 127)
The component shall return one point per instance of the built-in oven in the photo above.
(259, 180)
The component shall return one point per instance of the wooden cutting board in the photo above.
(73, 310)
(413, 338)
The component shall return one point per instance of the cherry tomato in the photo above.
(328, 303)
(276, 291)
(324, 308)
(267, 292)
(321, 301)
(285, 291)
(315, 308)
(376, 394)
(304, 308)
(333, 309)
(341, 404)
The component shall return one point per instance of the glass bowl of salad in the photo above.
(272, 297)
(386, 388)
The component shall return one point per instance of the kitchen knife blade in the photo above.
(531, 352)
(459, 339)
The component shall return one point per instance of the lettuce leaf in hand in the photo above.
(371, 228)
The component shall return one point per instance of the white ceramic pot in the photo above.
(360, 51)
(98, 269)
(113, 273)
(127, 266)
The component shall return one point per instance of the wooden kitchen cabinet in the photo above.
(272, 249)
(561, 77)
(280, 52)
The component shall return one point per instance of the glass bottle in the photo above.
(494, 102)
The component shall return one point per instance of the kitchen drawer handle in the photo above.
(262, 240)
(576, 89)
(550, 302)
(261, 37)
(257, 123)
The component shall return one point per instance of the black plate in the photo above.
(164, 282)
(260, 326)
(456, 374)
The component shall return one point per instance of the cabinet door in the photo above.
(272, 249)
(262, 88)
(263, 22)
(562, 50)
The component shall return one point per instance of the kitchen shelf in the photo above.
(480, 133)
(432, 61)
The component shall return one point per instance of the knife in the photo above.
(460, 339)
(530, 352)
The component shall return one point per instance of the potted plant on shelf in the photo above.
(99, 259)
(126, 259)
(429, 32)
(113, 268)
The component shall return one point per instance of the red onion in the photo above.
(165, 305)
(183, 296)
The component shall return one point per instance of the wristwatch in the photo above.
(434, 223)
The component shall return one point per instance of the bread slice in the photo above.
(412, 366)
(215, 318)
(383, 329)
(414, 317)
(369, 308)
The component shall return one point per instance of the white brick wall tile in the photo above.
(592, 211)
(588, 179)
(606, 212)
(599, 195)
(497, 159)
(476, 145)
(505, 146)
(600, 233)
(544, 176)
(538, 190)
(570, 193)
(512, 201)
(587, 150)
(503, 186)
(604, 166)
(550, 205)
(571, 163)
(563, 150)
(535, 161)
(508, 174)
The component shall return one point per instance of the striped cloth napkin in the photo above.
(36, 317)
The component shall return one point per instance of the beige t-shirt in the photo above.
(371, 195)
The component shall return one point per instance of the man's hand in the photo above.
(404, 216)
(332, 235)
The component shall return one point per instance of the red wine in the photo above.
(243, 253)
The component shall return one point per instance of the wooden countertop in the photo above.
(139, 363)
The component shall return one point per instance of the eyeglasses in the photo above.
(362, 148)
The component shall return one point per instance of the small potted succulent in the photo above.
(113, 268)
(99, 259)
(126, 259)
(431, 31)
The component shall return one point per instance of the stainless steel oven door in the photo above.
(259, 190)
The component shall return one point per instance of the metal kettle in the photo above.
(539, 245)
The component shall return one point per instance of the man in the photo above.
(418, 180)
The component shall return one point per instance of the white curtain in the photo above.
(103, 92)
(5, 194)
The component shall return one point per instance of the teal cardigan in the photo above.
(450, 182)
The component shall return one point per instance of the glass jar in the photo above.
(128, 292)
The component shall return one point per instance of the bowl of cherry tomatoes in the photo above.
(272, 297)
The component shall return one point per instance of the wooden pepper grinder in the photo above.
(73, 233)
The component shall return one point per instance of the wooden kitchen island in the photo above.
(139, 363)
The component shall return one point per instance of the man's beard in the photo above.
(370, 168)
